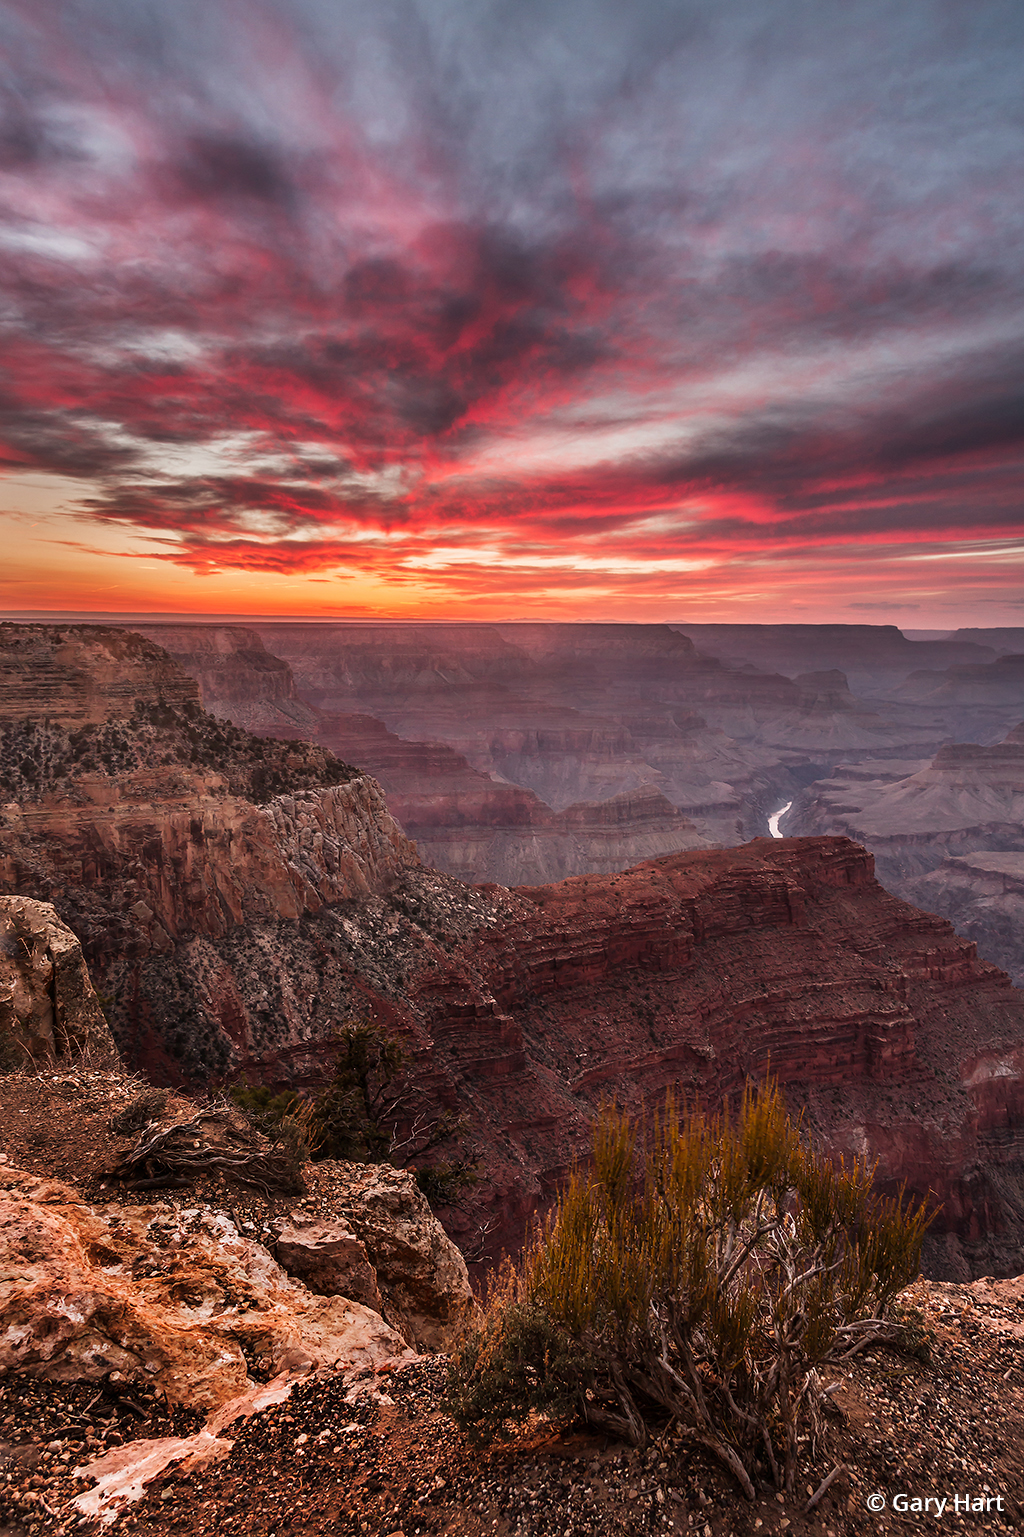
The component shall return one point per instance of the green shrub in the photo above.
(357, 1117)
(443, 1183)
(709, 1279)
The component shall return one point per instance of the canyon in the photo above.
(525, 752)
(949, 835)
(237, 897)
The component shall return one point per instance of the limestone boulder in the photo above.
(48, 1008)
(176, 1297)
(421, 1275)
(327, 1257)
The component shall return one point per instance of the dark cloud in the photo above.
(217, 167)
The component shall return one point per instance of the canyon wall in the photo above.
(238, 898)
(474, 824)
(948, 835)
(526, 1008)
(147, 822)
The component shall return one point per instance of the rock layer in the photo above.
(948, 836)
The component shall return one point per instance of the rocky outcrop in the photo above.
(382, 1246)
(172, 861)
(84, 674)
(421, 1274)
(327, 1257)
(48, 1008)
(175, 1298)
(152, 823)
(982, 894)
(699, 970)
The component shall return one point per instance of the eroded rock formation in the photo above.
(150, 822)
(947, 834)
(525, 1008)
(48, 1007)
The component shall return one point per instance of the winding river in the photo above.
(775, 819)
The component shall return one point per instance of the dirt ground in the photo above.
(380, 1457)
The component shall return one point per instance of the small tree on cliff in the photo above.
(359, 1115)
(709, 1281)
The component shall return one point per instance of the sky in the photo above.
(567, 309)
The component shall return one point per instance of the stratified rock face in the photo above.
(978, 702)
(176, 1298)
(969, 797)
(48, 1008)
(526, 1008)
(238, 677)
(698, 970)
(581, 714)
(169, 865)
(481, 829)
(83, 674)
(147, 822)
(982, 894)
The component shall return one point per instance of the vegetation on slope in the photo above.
(42, 757)
(709, 1282)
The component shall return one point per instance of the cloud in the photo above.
(306, 286)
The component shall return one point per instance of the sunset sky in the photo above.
(611, 309)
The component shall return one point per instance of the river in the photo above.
(776, 818)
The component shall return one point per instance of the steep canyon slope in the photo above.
(949, 835)
(231, 925)
(147, 821)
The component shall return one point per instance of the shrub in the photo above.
(358, 1116)
(443, 1183)
(709, 1280)
(352, 1119)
